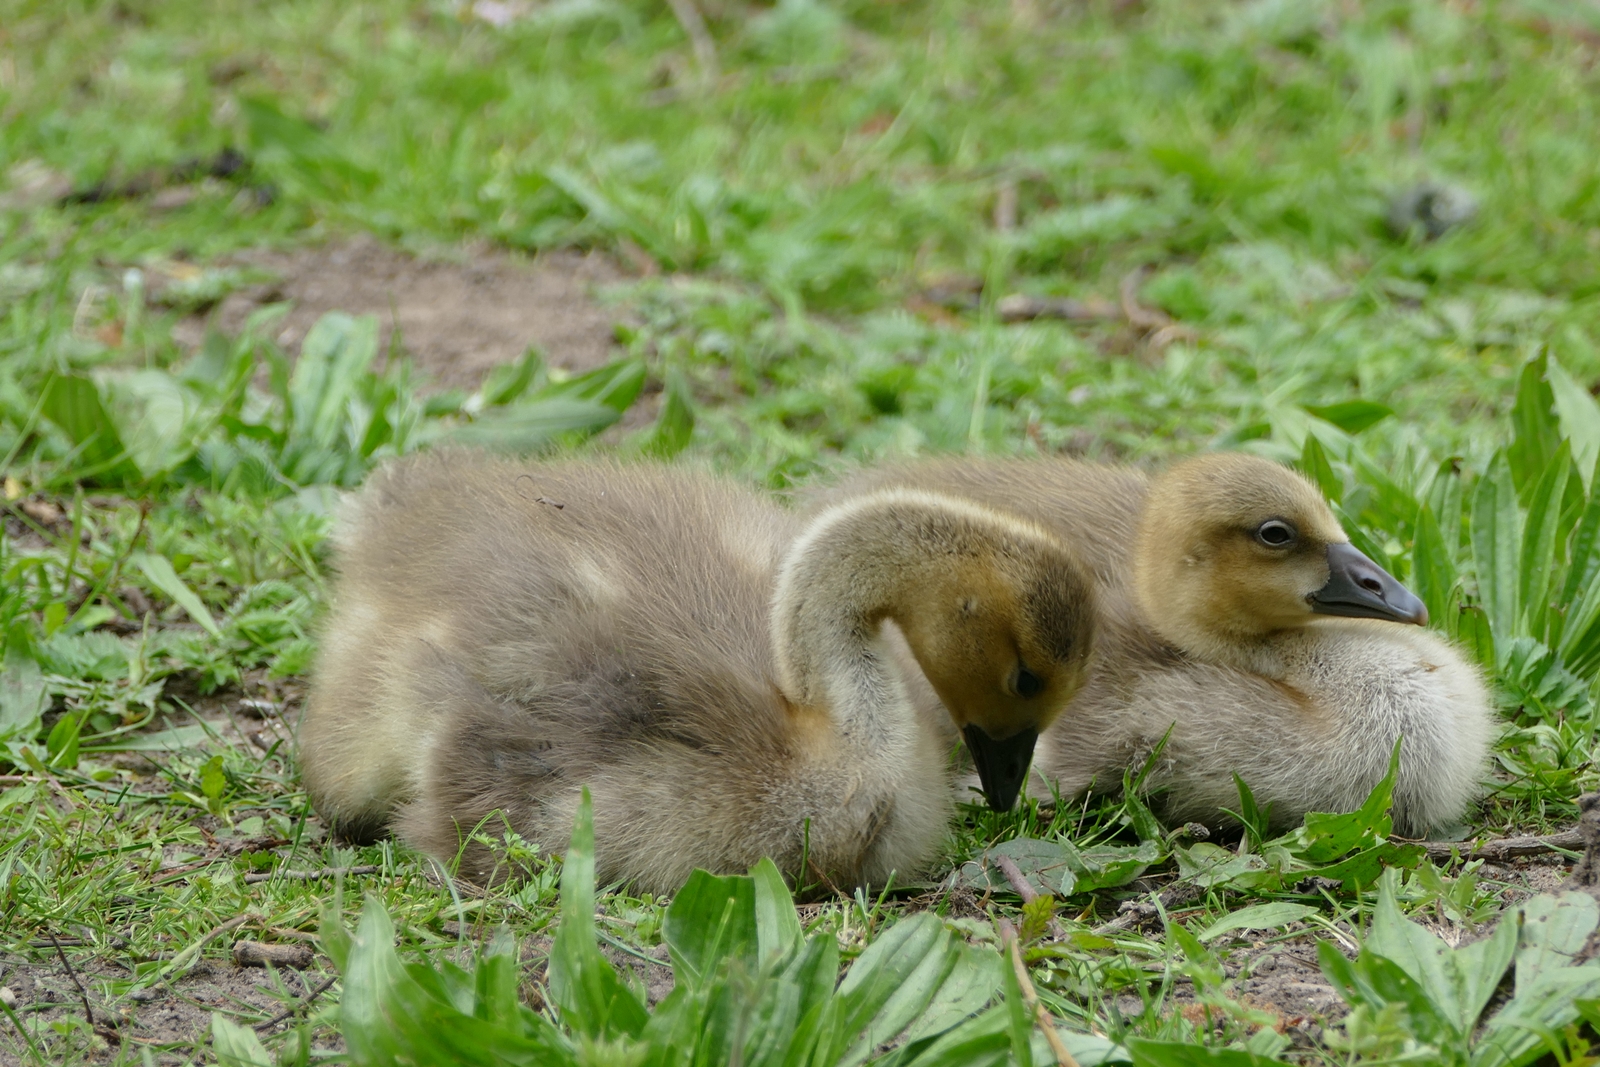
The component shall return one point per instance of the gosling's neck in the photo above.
(846, 574)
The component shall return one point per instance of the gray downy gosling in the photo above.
(715, 671)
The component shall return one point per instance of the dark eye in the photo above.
(1028, 684)
(1275, 533)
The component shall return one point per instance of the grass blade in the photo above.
(158, 570)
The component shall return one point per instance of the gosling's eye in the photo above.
(1028, 684)
(1275, 533)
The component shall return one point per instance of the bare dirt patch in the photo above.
(458, 315)
(171, 1020)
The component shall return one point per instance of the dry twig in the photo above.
(1505, 848)
(1041, 1014)
(107, 1030)
(298, 1006)
(1024, 888)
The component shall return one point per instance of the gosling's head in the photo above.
(1003, 632)
(1232, 548)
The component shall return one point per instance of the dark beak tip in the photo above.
(1002, 765)
(1359, 588)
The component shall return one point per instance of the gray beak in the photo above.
(1002, 765)
(1360, 589)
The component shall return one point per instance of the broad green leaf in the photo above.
(1536, 432)
(22, 689)
(237, 1046)
(1314, 465)
(1474, 631)
(712, 919)
(1208, 866)
(1540, 541)
(528, 427)
(1520, 1032)
(1376, 981)
(1459, 981)
(972, 982)
(1584, 554)
(982, 1041)
(336, 352)
(62, 744)
(158, 571)
(675, 425)
(73, 403)
(904, 964)
(1497, 545)
(1579, 415)
(1325, 837)
(778, 931)
(156, 417)
(1257, 917)
(1555, 928)
(392, 1013)
(1433, 572)
(909, 998)
(1352, 416)
(213, 782)
(584, 987)
(1444, 497)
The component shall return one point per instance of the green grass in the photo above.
(1229, 166)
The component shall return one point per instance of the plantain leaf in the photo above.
(1444, 497)
(1314, 465)
(1579, 415)
(1536, 433)
(1257, 917)
(1583, 550)
(1541, 541)
(778, 931)
(1352, 416)
(1433, 571)
(74, 403)
(235, 1045)
(584, 987)
(712, 922)
(1497, 545)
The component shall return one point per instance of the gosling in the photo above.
(505, 633)
(1234, 611)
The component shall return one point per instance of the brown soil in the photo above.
(172, 1021)
(458, 316)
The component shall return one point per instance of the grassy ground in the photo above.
(829, 222)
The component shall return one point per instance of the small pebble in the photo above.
(8, 996)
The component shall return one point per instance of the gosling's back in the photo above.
(505, 633)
